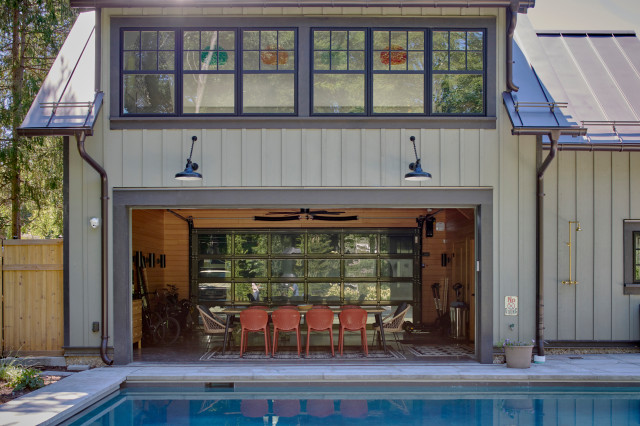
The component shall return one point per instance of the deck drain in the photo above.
(575, 357)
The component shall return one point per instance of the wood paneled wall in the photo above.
(148, 237)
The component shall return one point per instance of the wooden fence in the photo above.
(32, 297)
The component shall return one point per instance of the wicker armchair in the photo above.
(391, 323)
(212, 324)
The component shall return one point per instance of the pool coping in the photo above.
(62, 400)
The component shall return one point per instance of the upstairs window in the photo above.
(636, 257)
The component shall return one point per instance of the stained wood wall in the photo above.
(32, 294)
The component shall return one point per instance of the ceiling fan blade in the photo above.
(334, 218)
(315, 212)
(290, 213)
(276, 219)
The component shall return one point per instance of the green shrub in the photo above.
(28, 378)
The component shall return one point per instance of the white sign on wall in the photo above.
(511, 305)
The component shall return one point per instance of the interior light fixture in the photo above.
(416, 172)
(189, 172)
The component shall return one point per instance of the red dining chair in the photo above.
(354, 319)
(254, 320)
(320, 407)
(286, 407)
(354, 408)
(319, 320)
(254, 408)
(285, 319)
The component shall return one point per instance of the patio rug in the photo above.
(216, 354)
(440, 350)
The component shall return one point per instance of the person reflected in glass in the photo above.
(255, 292)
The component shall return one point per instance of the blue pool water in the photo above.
(338, 405)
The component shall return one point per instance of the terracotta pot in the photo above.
(518, 356)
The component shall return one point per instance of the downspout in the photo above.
(512, 20)
(554, 136)
(104, 200)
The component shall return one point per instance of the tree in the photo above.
(31, 33)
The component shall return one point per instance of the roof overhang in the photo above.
(522, 5)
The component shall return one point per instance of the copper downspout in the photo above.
(512, 20)
(104, 200)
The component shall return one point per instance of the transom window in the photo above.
(636, 257)
(303, 266)
(256, 71)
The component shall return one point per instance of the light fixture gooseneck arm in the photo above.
(193, 141)
(415, 151)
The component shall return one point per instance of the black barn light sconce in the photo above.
(189, 172)
(163, 261)
(416, 172)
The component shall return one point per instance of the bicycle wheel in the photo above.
(156, 332)
(170, 329)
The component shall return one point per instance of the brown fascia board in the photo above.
(522, 5)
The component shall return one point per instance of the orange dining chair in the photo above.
(254, 320)
(285, 319)
(286, 407)
(354, 319)
(320, 320)
(254, 408)
(320, 407)
(354, 408)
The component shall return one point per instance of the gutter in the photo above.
(104, 200)
(512, 21)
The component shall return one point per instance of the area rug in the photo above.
(441, 350)
(319, 354)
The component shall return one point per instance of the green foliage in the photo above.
(19, 377)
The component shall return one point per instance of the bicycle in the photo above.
(168, 328)
(159, 326)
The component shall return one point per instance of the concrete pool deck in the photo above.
(55, 403)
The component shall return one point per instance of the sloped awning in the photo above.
(67, 102)
(587, 80)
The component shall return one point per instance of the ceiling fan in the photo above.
(307, 214)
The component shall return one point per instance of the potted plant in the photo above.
(518, 353)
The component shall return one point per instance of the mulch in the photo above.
(7, 393)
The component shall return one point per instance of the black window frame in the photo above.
(631, 228)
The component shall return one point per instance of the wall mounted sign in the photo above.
(511, 305)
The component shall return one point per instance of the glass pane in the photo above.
(474, 40)
(356, 61)
(165, 61)
(338, 60)
(227, 40)
(441, 40)
(251, 244)
(250, 60)
(131, 61)
(360, 243)
(251, 268)
(319, 268)
(272, 59)
(226, 60)
(214, 268)
(149, 40)
(356, 40)
(338, 94)
(208, 94)
(321, 40)
(396, 291)
(131, 40)
(286, 40)
(191, 61)
(268, 93)
(191, 40)
(416, 40)
(214, 244)
(149, 61)
(209, 40)
(289, 64)
(287, 292)
(321, 60)
(474, 61)
(458, 40)
(457, 94)
(324, 292)
(323, 243)
(416, 61)
(214, 292)
(396, 244)
(381, 60)
(458, 61)
(268, 40)
(380, 40)
(398, 40)
(360, 292)
(339, 40)
(166, 40)
(251, 40)
(637, 276)
(401, 268)
(210, 59)
(287, 243)
(251, 292)
(398, 93)
(148, 94)
(360, 268)
(441, 61)
(287, 268)
(636, 237)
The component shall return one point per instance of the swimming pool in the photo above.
(216, 404)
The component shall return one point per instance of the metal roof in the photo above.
(67, 101)
(596, 75)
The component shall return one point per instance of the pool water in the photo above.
(280, 405)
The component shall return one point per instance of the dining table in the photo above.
(232, 311)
